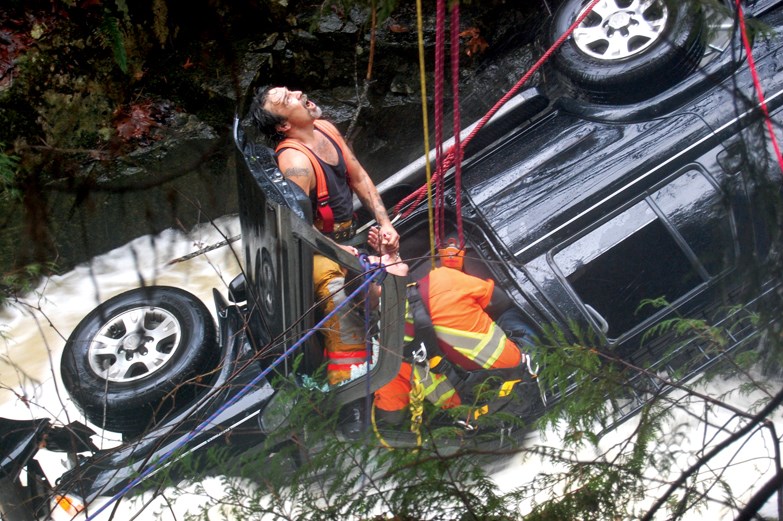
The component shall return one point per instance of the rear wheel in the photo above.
(137, 356)
(628, 50)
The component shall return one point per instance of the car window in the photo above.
(665, 245)
(696, 209)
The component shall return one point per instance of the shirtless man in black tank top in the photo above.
(283, 113)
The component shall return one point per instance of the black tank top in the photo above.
(340, 195)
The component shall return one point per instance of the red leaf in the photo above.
(137, 122)
(476, 44)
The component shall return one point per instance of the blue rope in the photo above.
(373, 272)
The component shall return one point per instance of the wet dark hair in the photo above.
(265, 121)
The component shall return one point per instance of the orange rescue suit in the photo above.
(467, 335)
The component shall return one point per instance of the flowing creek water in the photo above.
(35, 328)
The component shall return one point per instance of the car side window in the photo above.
(666, 245)
(697, 211)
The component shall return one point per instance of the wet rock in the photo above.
(331, 23)
(176, 181)
(204, 75)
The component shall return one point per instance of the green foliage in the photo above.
(160, 20)
(309, 472)
(114, 39)
(8, 168)
(602, 492)
(714, 340)
(23, 280)
(76, 120)
(681, 327)
(572, 361)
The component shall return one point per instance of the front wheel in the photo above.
(137, 356)
(627, 50)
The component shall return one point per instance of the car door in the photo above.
(278, 244)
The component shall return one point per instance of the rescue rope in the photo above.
(372, 273)
(414, 199)
(377, 432)
(456, 118)
(416, 405)
(440, 204)
(440, 15)
(425, 123)
(368, 347)
(757, 84)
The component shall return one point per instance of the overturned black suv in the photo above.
(643, 172)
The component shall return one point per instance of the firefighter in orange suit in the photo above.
(465, 333)
(345, 334)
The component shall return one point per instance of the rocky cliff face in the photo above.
(119, 120)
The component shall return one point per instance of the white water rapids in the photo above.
(35, 328)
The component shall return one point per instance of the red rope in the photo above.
(757, 84)
(440, 43)
(456, 119)
(448, 161)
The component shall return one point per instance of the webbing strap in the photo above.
(322, 208)
(422, 322)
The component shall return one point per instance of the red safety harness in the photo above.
(323, 209)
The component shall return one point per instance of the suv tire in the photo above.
(152, 344)
(651, 49)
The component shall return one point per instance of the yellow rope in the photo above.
(377, 432)
(428, 170)
(415, 426)
(417, 408)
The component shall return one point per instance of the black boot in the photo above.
(352, 420)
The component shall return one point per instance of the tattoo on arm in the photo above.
(376, 203)
(368, 195)
(380, 210)
(295, 171)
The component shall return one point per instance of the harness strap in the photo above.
(437, 386)
(323, 209)
(417, 294)
(424, 290)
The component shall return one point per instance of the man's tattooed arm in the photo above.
(296, 171)
(301, 177)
